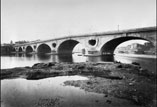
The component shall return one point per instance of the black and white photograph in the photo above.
(78, 53)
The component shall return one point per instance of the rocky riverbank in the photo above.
(124, 81)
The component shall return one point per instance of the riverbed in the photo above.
(78, 85)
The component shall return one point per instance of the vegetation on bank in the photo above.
(126, 81)
(7, 50)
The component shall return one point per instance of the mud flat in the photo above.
(123, 81)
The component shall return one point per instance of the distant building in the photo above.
(135, 48)
(21, 42)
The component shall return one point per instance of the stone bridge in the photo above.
(94, 44)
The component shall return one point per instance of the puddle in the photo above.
(49, 92)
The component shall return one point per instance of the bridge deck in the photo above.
(145, 29)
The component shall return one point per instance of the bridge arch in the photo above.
(29, 49)
(13, 49)
(43, 49)
(66, 47)
(20, 49)
(110, 46)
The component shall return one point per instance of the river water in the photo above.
(22, 60)
(51, 92)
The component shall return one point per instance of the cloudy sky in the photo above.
(47, 19)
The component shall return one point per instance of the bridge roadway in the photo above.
(94, 44)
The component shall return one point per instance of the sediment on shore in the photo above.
(126, 81)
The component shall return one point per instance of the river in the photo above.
(51, 92)
(22, 60)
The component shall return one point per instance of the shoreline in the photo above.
(111, 79)
(137, 55)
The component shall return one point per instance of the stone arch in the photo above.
(67, 46)
(29, 49)
(20, 49)
(43, 49)
(13, 49)
(110, 46)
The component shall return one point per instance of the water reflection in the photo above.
(28, 55)
(20, 55)
(93, 59)
(21, 60)
(54, 58)
(43, 57)
(65, 58)
(29, 93)
(107, 58)
(51, 92)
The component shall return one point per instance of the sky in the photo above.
(47, 19)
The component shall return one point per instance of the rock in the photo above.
(119, 66)
(42, 65)
(51, 64)
(89, 82)
(130, 83)
(97, 101)
(108, 101)
(36, 75)
(38, 65)
(135, 63)
(27, 67)
(117, 62)
(135, 98)
(105, 95)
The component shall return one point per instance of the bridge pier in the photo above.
(92, 52)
